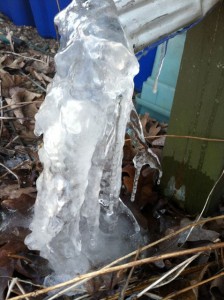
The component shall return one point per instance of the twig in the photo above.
(181, 137)
(222, 257)
(68, 289)
(58, 5)
(21, 289)
(14, 129)
(153, 296)
(33, 81)
(121, 267)
(5, 151)
(56, 29)
(16, 107)
(31, 283)
(81, 297)
(144, 248)
(167, 237)
(10, 287)
(128, 279)
(24, 281)
(205, 206)
(15, 118)
(19, 104)
(12, 141)
(14, 282)
(20, 257)
(17, 178)
(9, 37)
(177, 270)
(174, 294)
(141, 250)
(15, 168)
(26, 57)
(136, 286)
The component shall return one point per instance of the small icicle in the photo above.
(144, 156)
(135, 185)
(162, 57)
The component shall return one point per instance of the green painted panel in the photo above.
(191, 167)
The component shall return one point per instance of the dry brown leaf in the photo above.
(22, 203)
(9, 81)
(11, 191)
(47, 78)
(145, 193)
(17, 111)
(128, 183)
(128, 177)
(198, 233)
(159, 142)
(45, 67)
(16, 64)
(128, 149)
(130, 170)
(154, 129)
(21, 95)
(4, 61)
(42, 78)
(198, 276)
(9, 61)
(217, 289)
(144, 121)
(38, 76)
(26, 131)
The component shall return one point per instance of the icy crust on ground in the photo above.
(83, 121)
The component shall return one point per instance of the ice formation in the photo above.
(83, 121)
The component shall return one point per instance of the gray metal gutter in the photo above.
(147, 21)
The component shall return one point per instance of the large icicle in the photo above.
(83, 121)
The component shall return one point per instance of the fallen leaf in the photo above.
(45, 65)
(159, 142)
(128, 183)
(9, 61)
(11, 191)
(154, 129)
(36, 267)
(9, 81)
(17, 111)
(217, 289)
(6, 272)
(21, 204)
(25, 113)
(44, 79)
(22, 95)
(129, 150)
(144, 121)
(198, 233)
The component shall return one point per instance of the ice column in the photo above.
(83, 121)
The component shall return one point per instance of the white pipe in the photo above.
(147, 21)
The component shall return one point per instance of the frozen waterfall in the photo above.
(79, 221)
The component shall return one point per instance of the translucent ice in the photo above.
(83, 121)
(144, 155)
